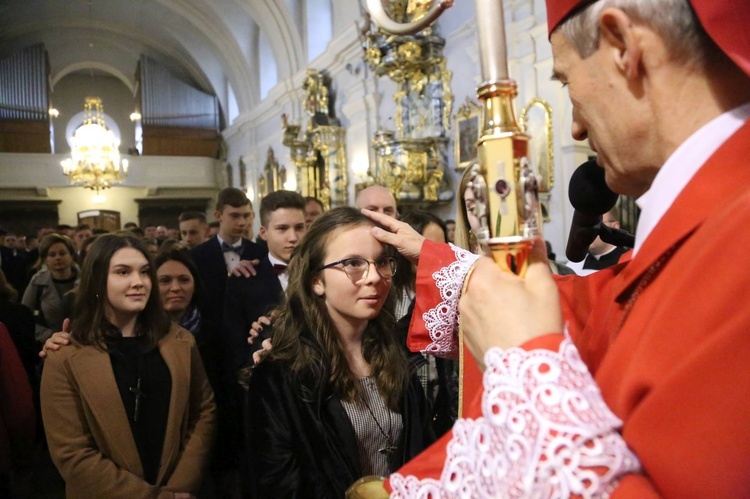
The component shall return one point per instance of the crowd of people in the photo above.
(163, 325)
(299, 364)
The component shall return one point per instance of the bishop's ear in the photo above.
(622, 36)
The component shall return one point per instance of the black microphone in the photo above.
(591, 198)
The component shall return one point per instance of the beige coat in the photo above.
(88, 430)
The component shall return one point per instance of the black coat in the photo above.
(301, 442)
(209, 258)
(248, 298)
(21, 325)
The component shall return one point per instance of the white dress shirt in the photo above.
(231, 258)
(284, 276)
(682, 166)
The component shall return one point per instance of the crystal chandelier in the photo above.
(94, 157)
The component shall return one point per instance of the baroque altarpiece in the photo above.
(412, 159)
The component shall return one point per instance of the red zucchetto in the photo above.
(725, 21)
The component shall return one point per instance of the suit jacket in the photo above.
(246, 300)
(88, 430)
(671, 361)
(209, 258)
(608, 260)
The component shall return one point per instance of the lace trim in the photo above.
(441, 320)
(546, 432)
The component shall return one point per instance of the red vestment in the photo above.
(666, 338)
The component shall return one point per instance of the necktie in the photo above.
(279, 268)
(228, 247)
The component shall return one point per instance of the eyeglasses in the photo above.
(357, 268)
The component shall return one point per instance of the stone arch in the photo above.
(83, 65)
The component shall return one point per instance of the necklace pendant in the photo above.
(387, 449)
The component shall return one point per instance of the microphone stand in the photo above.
(616, 237)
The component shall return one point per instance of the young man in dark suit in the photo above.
(282, 219)
(227, 252)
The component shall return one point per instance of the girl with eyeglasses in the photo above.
(335, 400)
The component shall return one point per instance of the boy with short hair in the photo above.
(227, 251)
(193, 228)
(282, 216)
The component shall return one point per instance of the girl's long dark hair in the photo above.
(89, 324)
(305, 315)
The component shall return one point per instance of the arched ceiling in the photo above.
(205, 42)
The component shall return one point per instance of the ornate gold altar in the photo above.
(318, 153)
(411, 159)
(273, 177)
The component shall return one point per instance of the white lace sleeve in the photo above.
(442, 320)
(545, 432)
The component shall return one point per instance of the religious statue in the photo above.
(325, 196)
(477, 205)
(316, 100)
(432, 185)
(282, 177)
(528, 199)
(271, 171)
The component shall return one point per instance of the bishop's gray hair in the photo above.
(674, 20)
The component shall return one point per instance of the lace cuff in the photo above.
(545, 432)
(441, 321)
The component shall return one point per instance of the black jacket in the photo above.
(300, 440)
(248, 298)
(209, 258)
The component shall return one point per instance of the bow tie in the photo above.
(228, 247)
(279, 268)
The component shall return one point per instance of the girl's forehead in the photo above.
(353, 238)
(127, 255)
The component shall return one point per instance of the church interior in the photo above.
(305, 95)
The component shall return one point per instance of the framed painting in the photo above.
(536, 121)
(467, 127)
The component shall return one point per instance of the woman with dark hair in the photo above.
(334, 401)
(127, 408)
(181, 293)
(50, 293)
(180, 289)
